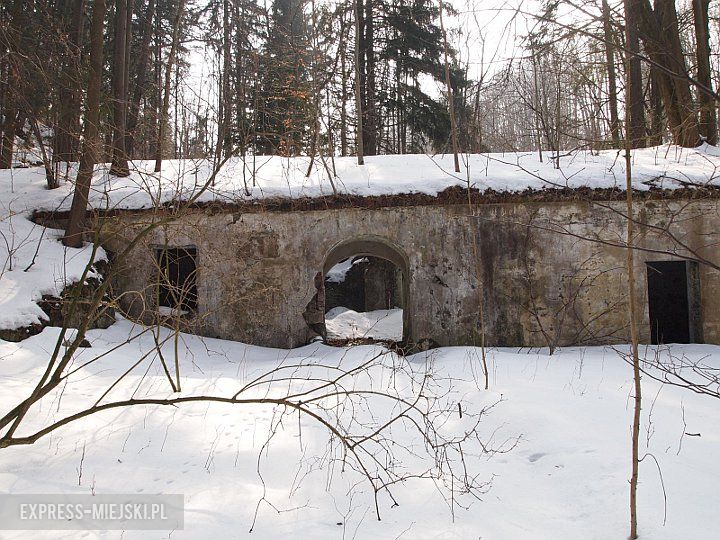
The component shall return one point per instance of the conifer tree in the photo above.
(283, 122)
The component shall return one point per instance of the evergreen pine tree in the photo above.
(283, 122)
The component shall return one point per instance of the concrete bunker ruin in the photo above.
(547, 270)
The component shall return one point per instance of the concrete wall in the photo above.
(383, 285)
(547, 272)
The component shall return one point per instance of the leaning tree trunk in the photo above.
(76, 222)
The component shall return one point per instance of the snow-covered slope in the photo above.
(266, 177)
(566, 478)
(33, 262)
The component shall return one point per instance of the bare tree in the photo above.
(630, 252)
(76, 221)
(612, 82)
(358, 95)
(450, 93)
(123, 13)
(163, 121)
(708, 113)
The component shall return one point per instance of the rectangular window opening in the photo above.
(674, 302)
(177, 278)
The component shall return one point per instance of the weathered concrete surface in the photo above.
(383, 286)
(547, 272)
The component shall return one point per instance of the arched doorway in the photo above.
(363, 292)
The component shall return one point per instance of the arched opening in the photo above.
(363, 292)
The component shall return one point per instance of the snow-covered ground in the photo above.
(563, 420)
(567, 477)
(381, 324)
(33, 262)
(265, 177)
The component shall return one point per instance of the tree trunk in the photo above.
(450, 94)
(630, 267)
(67, 128)
(242, 76)
(226, 108)
(11, 109)
(708, 118)
(157, 83)
(8, 130)
(370, 111)
(163, 120)
(661, 36)
(634, 100)
(633, 347)
(49, 175)
(371, 123)
(657, 117)
(477, 121)
(612, 84)
(140, 79)
(119, 165)
(358, 83)
(343, 97)
(76, 221)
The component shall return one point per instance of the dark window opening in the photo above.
(177, 283)
(673, 302)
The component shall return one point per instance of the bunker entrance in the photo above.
(673, 302)
(362, 293)
(177, 291)
(364, 300)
